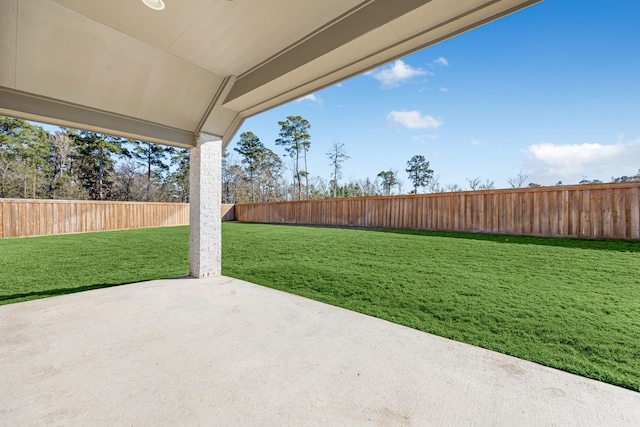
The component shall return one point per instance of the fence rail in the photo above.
(29, 217)
(605, 211)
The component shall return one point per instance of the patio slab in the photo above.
(221, 351)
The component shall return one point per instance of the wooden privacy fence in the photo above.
(606, 211)
(27, 217)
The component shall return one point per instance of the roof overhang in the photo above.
(121, 68)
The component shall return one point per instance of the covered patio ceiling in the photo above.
(121, 68)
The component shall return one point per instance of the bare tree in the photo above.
(319, 188)
(269, 178)
(130, 183)
(452, 188)
(487, 185)
(337, 156)
(60, 183)
(434, 185)
(474, 183)
(369, 188)
(518, 180)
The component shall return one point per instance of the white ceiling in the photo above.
(203, 65)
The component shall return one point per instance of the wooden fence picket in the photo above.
(603, 211)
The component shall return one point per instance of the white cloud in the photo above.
(441, 61)
(311, 97)
(572, 162)
(413, 120)
(396, 73)
(444, 89)
(476, 142)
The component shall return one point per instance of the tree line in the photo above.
(260, 175)
(74, 164)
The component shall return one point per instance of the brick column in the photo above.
(205, 240)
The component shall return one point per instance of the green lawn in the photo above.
(573, 305)
(39, 267)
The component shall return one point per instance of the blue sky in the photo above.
(552, 91)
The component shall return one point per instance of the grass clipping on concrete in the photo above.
(569, 304)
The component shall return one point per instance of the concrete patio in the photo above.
(221, 351)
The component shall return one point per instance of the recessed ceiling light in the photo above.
(154, 4)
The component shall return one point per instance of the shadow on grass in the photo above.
(7, 299)
(562, 242)
(603, 245)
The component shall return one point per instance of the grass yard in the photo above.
(39, 267)
(572, 305)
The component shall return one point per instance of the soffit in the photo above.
(222, 36)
